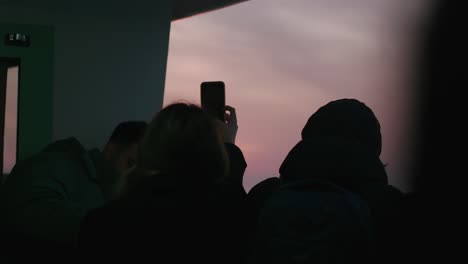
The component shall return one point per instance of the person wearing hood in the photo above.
(44, 199)
(352, 121)
(342, 136)
(311, 216)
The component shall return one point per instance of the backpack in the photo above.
(312, 221)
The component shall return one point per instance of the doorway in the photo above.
(9, 88)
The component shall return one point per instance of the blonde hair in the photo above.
(181, 141)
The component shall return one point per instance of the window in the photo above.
(281, 62)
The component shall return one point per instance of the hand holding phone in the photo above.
(230, 125)
(228, 129)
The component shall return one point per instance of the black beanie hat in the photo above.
(347, 119)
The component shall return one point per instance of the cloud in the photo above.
(281, 60)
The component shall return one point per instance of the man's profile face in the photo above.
(123, 158)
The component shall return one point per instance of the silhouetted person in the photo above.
(46, 196)
(228, 130)
(353, 121)
(309, 218)
(176, 205)
(340, 128)
(349, 120)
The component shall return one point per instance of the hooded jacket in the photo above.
(348, 165)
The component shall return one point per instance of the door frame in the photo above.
(35, 85)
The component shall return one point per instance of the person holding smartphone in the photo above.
(174, 206)
(213, 101)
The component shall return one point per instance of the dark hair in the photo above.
(128, 133)
(347, 119)
(182, 141)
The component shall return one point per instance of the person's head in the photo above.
(182, 141)
(121, 149)
(347, 119)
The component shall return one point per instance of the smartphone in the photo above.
(213, 98)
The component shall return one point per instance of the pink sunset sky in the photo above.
(282, 60)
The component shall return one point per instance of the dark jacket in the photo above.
(340, 162)
(237, 166)
(352, 167)
(173, 218)
(257, 197)
(169, 221)
(46, 196)
(345, 164)
(312, 221)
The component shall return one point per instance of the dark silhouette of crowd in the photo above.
(170, 191)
